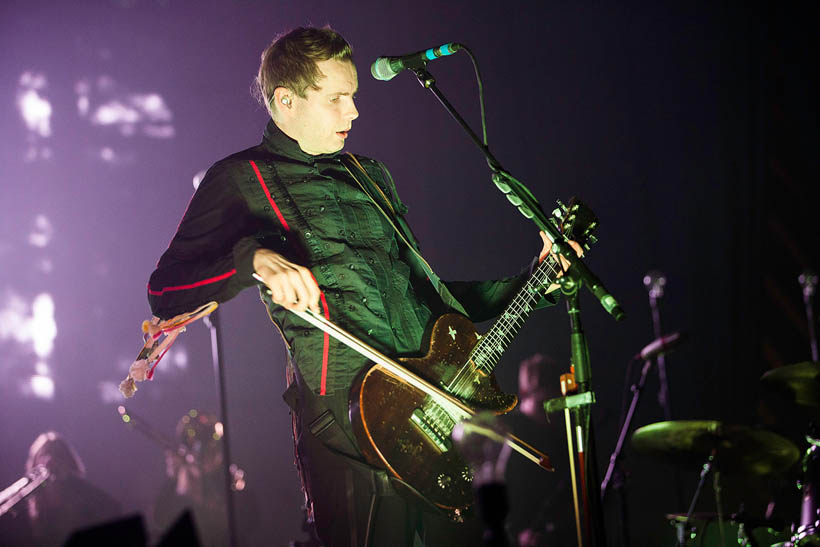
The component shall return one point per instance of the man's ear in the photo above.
(283, 100)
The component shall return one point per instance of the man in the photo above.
(324, 231)
(540, 503)
(67, 502)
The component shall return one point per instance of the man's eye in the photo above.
(334, 99)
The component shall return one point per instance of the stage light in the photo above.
(180, 357)
(107, 155)
(43, 328)
(34, 108)
(115, 113)
(42, 232)
(42, 386)
(39, 328)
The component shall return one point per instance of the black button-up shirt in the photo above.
(311, 210)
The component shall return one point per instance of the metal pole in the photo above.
(212, 322)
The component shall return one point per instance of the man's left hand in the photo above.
(547, 249)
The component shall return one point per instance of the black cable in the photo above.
(480, 93)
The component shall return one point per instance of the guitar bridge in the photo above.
(436, 425)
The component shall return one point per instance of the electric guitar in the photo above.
(406, 431)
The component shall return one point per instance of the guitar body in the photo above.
(399, 428)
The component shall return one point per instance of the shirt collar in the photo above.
(277, 142)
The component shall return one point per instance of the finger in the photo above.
(545, 250)
(276, 293)
(289, 297)
(313, 290)
(301, 291)
(577, 248)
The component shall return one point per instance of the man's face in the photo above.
(320, 121)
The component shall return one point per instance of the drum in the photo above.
(707, 530)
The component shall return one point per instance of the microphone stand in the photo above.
(213, 323)
(616, 454)
(808, 281)
(576, 276)
(655, 282)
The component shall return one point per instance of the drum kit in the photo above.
(718, 448)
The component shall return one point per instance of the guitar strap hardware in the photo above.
(440, 287)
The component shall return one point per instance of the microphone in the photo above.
(660, 345)
(386, 68)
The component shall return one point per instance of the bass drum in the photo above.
(706, 530)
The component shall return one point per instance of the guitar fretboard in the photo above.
(488, 351)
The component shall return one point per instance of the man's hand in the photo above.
(547, 249)
(292, 286)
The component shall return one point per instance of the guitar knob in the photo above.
(466, 474)
(443, 481)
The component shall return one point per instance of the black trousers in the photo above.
(356, 505)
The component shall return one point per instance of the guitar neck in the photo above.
(489, 349)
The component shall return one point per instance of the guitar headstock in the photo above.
(576, 221)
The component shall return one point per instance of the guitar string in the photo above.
(496, 340)
(525, 300)
(523, 303)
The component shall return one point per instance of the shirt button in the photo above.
(321, 208)
(308, 234)
(266, 207)
(384, 295)
(364, 299)
(369, 332)
(352, 267)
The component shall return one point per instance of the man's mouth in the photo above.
(343, 134)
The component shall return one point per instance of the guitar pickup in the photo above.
(438, 433)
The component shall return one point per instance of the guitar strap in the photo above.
(405, 234)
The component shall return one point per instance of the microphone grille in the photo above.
(380, 69)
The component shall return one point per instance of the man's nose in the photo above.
(352, 112)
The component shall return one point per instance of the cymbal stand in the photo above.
(707, 467)
(808, 280)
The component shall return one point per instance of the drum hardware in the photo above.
(799, 384)
(738, 449)
(704, 529)
(718, 448)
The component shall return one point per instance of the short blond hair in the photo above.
(290, 61)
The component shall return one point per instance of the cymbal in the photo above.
(738, 449)
(799, 383)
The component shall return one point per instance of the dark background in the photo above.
(689, 129)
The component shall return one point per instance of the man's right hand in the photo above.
(292, 286)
